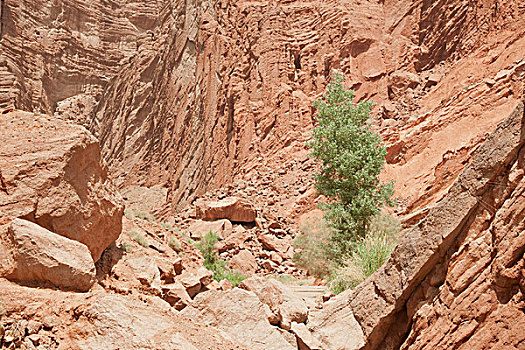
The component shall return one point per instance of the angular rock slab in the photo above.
(40, 255)
(233, 208)
(285, 305)
(51, 173)
(335, 325)
(241, 315)
(199, 229)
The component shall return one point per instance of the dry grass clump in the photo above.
(367, 255)
(139, 238)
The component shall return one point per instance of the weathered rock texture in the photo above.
(42, 256)
(52, 174)
(191, 95)
(241, 315)
(54, 51)
(100, 320)
(233, 83)
(233, 209)
(456, 279)
(285, 305)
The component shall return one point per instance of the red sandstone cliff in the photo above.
(226, 84)
(188, 94)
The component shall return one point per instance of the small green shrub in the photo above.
(215, 264)
(222, 272)
(367, 254)
(139, 238)
(207, 248)
(345, 277)
(126, 247)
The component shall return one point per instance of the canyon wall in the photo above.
(190, 94)
(456, 278)
(233, 83)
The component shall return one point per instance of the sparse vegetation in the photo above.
(311, 254)
(368, 253)
(130, 214)
(126, 247)
(351, 241)
(215, 264)
(287, 279)
(351, 159)
(174, 244)
(139, 238)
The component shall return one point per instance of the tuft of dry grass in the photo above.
(139, 238)
(367, 256)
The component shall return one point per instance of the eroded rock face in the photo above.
(41, 256)
(61, 54)
(154, 81)
(52, 174)
(286, 306)
(233, 89)
(100, 320)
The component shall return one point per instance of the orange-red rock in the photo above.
(41, 256)
(233, 209)
(454, 280)
(52, 174)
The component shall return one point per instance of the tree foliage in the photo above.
(351, 159)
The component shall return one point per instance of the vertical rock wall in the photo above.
(456, 279)
(187, 94)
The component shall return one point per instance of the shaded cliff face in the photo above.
(230, 83)
(227, 85)
(191, 94)
(56, 50)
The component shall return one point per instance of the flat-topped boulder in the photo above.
(233, 208)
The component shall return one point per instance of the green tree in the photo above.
(351, 158)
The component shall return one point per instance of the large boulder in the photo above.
(222, 228)
(139, 271)
(38, 255)
(233, 208)
(241, 315)
(51, 173)
(286, 306)
(335, 325)
(244, 261)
